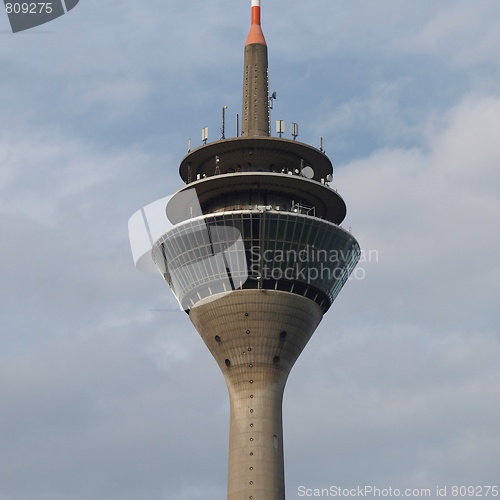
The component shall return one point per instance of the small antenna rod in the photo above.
(223, 129)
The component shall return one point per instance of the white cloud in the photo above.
(429, 211)
(467, 151)
(45, 170)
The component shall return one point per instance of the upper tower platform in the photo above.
(222, 171)
(276, 172)
(257, 154)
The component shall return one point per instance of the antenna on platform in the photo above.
(223, 129)
(204, 135)
(308, 172)
(295, 130)
(272, 98)
(280, 127)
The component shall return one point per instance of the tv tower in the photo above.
(256, 256)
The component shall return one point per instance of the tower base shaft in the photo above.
(256, 336)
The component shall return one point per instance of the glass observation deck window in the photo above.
(252, 249)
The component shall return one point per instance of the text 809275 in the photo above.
(29, 8)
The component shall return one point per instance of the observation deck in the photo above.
(248, 218)
(253, 249)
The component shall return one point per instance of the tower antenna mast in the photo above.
(255, 111)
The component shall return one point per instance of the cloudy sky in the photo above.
(106, 390)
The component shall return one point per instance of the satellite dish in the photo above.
(329, 178)
(308, 172)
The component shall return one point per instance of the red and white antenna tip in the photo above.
(256, 35)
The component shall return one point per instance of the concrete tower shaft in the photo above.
(256, 336)
(255, 110)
